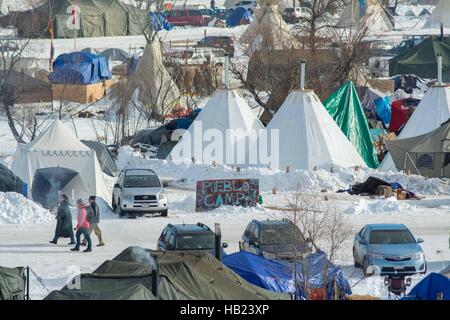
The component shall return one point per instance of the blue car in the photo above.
(388, 249)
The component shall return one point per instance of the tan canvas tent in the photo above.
(151, 88)
(268, 30)
(373, 15)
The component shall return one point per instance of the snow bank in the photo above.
(186, 175)
(379, 206)
(16, 209)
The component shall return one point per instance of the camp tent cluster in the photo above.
(58, 162)
(97, 18)
(181, 276)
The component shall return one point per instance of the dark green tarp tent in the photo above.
(104, 156)
(12, 283)
(132, 292)
(9, 182)
(421, 60)
(98, 18)
(427, 154)
(346, 110)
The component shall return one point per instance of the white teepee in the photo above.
(441, 14)
(371, 14)
(66, 159)
(156, 89)
(226, 110)
(308, 136)
(432, 111)
(268, 30)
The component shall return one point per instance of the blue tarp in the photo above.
(80, 68)
(430, 287)
(159, 22)
(239, 16)
(383, 109)
(278, 276)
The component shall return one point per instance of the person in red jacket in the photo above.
(82, 226)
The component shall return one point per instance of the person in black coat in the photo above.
(64, 228)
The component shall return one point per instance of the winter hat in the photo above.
(81, 202)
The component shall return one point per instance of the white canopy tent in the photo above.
(308, 136)
(57, 155)
(441, 14)
(432, 111)
(225, 114)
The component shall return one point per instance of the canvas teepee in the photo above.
(432, 111)
(441, 14)
(268, 30)
(368, 12)
(346, 110)
(155, 89)
(226, 110)
(308, 136)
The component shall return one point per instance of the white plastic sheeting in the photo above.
(58, 147)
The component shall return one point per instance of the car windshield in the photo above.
(204, 241)
(391, 237)
(141, 181)
(281, 234)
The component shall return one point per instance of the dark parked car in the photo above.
(187, 18)
(390, 248)
(189, 237)
(223, 42)
(274, 239)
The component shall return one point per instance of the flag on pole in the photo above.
(52, 44)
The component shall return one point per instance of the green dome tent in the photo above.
(421, 60)
(346, 110)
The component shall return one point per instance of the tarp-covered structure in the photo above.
(159, 22)
(435, 286)
(58, 162)
(12, 283)
(115, 54)
(422, 60)
(97, 18)
(432, 111)
(278, 276)
(441, 14)
(346, 110)
(104, 156)
(309, 138)
(9, 182)
(268, 30)
(239, 16)
(365, 13)
(427, 154)
(80, 68)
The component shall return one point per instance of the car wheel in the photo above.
(113, 204)
(119, 210)
(251, 11)
(164, 213)
(365, 266)
(355, 261)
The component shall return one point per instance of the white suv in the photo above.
(139, 191)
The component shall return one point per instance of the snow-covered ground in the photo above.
(25, 228)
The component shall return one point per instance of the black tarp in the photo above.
(48, 182)
(369, 186)
(9, 182)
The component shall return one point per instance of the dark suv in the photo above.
(274, 239)
(223, 42)
(188, 237)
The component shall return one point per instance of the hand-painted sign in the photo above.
(236, 192)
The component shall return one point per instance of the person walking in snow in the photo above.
(64, 228)
(82, 226)
(94, 220)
